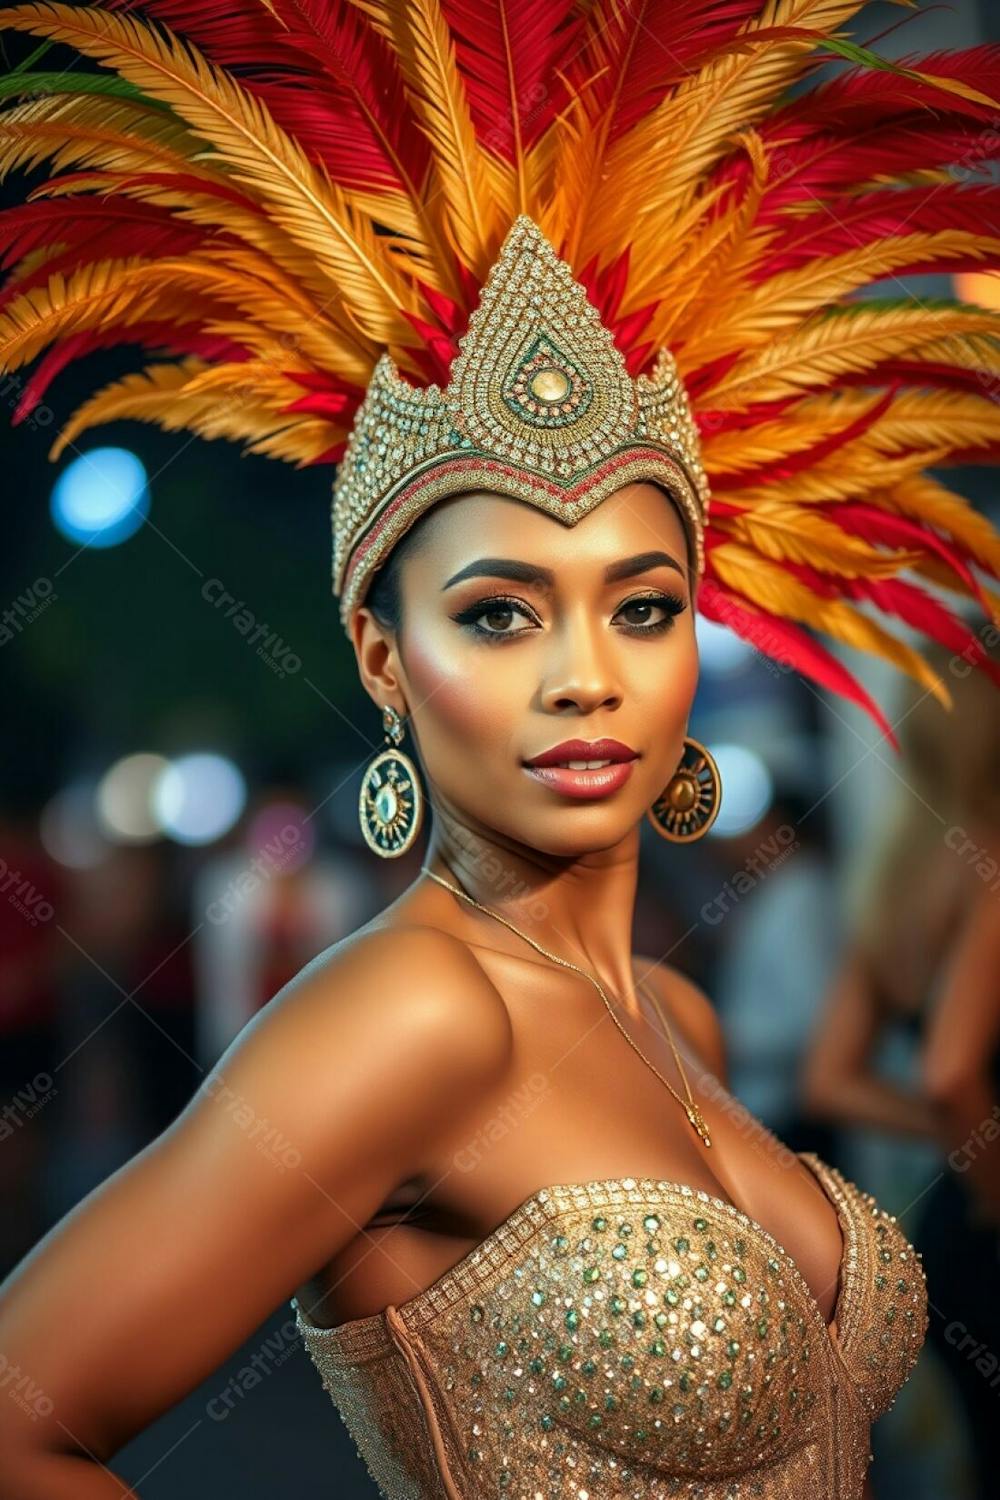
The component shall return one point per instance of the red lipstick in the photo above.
(562, 768)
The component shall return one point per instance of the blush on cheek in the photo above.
(448, 699)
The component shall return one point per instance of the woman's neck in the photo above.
(580, 908)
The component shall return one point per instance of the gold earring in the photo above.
(391, 802)
(689, 803)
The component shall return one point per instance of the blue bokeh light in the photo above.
(101, 498)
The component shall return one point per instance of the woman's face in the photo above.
(519, 633)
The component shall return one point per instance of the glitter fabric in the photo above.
(630, 1338)
(539, 407)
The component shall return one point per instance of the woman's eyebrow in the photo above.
(523, 572)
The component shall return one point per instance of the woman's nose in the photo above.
(581, 671)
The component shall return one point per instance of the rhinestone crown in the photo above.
(539, 407)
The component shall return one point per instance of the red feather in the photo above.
(836, 102)
(887, 529)
(323, 71)
(136, 227)
(852, 221)
(894, 596)
(348, 107)
(166, 338)
(794, 463)
(634, 51)
(805, 163)
(790, 645)
(239, 34)
(509, 53)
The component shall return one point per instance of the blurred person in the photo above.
(778, 935)
(529, 1248)
(924, 957)
(262, 908)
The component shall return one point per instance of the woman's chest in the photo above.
(588, 1099)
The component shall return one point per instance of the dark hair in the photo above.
(385, 594)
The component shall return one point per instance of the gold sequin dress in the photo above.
(631, 1339)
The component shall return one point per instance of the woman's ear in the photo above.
(378, 660)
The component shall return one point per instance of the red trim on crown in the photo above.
(458, 466)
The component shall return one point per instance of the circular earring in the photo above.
(391, 802)
(689, 803)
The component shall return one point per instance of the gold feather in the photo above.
(917, 420)
(254, 149)
(846, 474)
(211, 210)
(96, 294)
(658, 165)
(459, 179)
(88, 130)
(753, 314)
(935, 419)
(780, 593)
(164, 394)
(124, 292)
(812, 420)
(792, 532)
(716, 251)
(925, 499)
(848, 341)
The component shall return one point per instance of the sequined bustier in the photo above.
(632, 1338)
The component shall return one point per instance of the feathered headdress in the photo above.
(279, 196)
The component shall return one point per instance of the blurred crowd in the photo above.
(864, 1023)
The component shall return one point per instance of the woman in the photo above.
(531, 1250)
(925, 960)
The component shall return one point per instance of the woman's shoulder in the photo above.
(414, 987)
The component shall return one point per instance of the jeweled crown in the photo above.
(539, 407)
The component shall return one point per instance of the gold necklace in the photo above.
(689, 1107)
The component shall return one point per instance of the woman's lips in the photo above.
(584, 784)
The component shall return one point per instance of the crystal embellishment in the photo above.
(539, 407)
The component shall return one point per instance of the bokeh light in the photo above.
(69, 829)
(101, 498)
(125, 798)
(198, 798)
(747, 790)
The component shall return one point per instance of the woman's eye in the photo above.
(642, 609)
(492, 617)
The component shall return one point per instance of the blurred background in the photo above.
(178, 836)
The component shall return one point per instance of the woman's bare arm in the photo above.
(959, 1059)
(334, 1093)
(839, 1082)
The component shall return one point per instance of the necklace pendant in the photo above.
(697, 1120)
